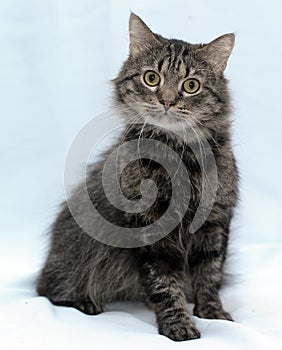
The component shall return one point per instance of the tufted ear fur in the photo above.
(141, 36)
(218, 51)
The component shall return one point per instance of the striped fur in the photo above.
(84, 273)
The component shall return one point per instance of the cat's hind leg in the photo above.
(85, 306)
(61, 292)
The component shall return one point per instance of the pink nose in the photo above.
(167, 104)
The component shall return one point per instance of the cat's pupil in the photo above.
(191, 85)
(152, 77)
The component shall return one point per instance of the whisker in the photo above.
(126, 132)
(203, 154)
(181, 157)
(138, 146)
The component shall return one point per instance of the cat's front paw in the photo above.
(212, 313)
(179, 331)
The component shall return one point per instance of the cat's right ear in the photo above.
(218, 51)
(141, 36)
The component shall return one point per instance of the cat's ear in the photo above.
(218, 51)
(141, 36)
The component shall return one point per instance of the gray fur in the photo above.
(82, 272)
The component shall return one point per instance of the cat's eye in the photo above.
(152, 78)
(191, 86)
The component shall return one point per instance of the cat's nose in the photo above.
(167, 104)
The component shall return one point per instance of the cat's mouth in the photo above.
(166, 119)
(166, 115)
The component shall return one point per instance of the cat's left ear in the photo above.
(141, 36)
(218, 51)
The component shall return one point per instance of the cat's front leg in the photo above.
(163, 289)
(206, 263)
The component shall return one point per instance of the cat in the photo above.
(166, 86)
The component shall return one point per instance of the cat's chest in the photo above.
(182, 173)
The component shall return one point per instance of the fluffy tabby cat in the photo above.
(170, 82)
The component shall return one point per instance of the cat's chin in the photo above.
(167, 122)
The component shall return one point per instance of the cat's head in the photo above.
(173, 83)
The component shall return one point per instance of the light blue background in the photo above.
(56, 61)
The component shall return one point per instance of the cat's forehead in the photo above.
(176, 57)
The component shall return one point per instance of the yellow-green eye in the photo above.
(152, 78)
(191, 86)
